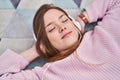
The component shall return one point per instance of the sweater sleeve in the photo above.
(101, 8)
(12, 67)
(109, 11)
(105, 38)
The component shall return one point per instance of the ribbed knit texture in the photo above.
(96, 58)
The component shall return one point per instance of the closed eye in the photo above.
(64, 20)
(51, 29)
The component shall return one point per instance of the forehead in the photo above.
(52, 14)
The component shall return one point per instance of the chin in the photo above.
(71, 42)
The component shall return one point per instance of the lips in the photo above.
(66, 34)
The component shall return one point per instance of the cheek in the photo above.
(75, 29)
(54, 38)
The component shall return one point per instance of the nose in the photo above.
(62, 28)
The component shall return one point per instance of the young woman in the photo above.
(71, 54)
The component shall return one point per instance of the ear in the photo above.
(77, 24)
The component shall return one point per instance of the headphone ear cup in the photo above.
(70, 18)
(77, 24)
(34, 37)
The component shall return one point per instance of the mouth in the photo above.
(66, 35)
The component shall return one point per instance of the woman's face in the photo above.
(60, 30)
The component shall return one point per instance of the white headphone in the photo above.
(77, 24)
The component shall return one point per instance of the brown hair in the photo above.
(43, 46)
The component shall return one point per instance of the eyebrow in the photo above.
(52, 22)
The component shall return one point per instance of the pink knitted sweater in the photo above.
(96, 58)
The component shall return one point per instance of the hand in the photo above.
(30, 54)
(82, 23)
